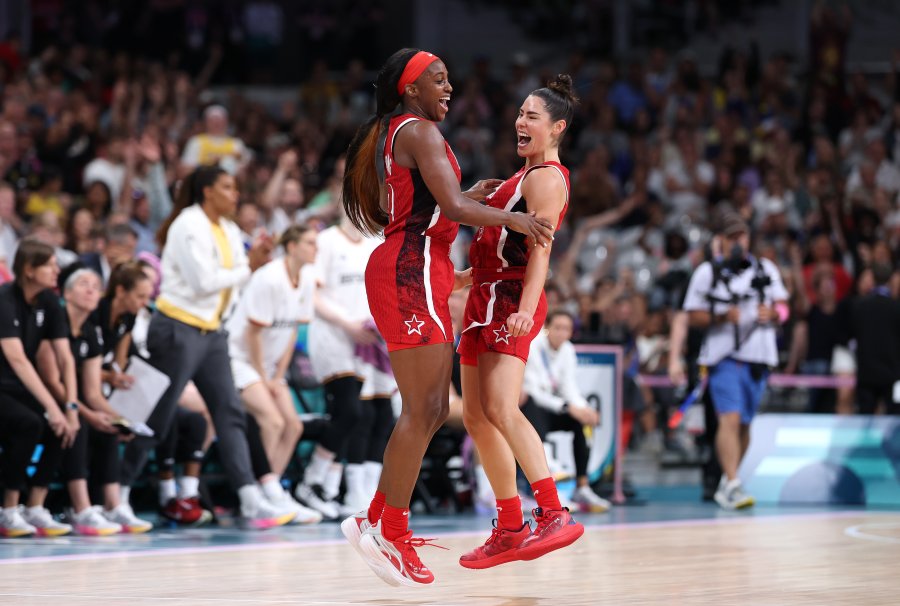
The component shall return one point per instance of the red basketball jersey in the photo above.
(410, 276)
(411, 206)
(499, 258)
(498, 248)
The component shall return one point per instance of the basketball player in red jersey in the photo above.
(504, 313)
(402, 176)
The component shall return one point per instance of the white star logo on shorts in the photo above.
(414, 325)
(502, 335)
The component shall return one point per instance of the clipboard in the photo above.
(136, 404)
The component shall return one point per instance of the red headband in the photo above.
(414, 68)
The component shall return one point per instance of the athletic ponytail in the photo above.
(559, 99)
(189, 192)
(362, 184)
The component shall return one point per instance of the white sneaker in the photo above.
(261, 514)
(731, 496)
(302, 515)
(130, 523)
(395, 562)
(314, 498)
(587, 500)
(13, 525)
(43, 521)
(92, 523)
(353, 528)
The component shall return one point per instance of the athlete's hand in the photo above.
(361, 333)
(119, 380)
(765, 314)
(260, 251)
(539, 231)
(676, 372)
(461, 279)
(519, 323)
(99, 420)
(734, 315)
(482, 189)
(57, 421)
(584, 415)
(72, 427)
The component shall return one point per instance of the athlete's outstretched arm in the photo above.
(545, 193)
(423, 144)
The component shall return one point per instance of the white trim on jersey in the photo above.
(397, 130)
(390, 195)
(427, 277)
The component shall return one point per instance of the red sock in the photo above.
(509, 513)
(545, 494)
(376, 507)
(394, 522)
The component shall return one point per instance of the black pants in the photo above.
(372, 431)
(545, 421)
(185, 353)
(345, 410)
(22, 427)
(94, 454)
(868, 396)
(313, 429)
(184, 442)
(711, 469)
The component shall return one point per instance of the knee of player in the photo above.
(294, 427)
(430, 411)
(500, 416)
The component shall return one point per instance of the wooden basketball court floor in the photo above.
(660, 553)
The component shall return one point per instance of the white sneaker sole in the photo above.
(350, 530)
(385, 570)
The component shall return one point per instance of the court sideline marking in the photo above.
(170, 551)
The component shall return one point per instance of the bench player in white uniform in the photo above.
(341, 331)
(262, 335)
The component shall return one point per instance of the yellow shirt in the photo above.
(226, 257)
(212, 149)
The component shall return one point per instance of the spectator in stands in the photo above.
(215, 146)
(119, 246)
(9, 222)
(874, 323)
(554, 402)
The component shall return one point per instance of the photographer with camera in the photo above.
(740, 300)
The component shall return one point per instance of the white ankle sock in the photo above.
(250, 496)
(373, 476)
(332, 484)
(355, 478)
(189, 487)
(167, 491)
(317, 469)
(124, 493)
(272, 489)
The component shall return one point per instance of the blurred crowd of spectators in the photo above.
(93, 143)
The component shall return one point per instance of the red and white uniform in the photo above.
(409, 277)
(499, 258)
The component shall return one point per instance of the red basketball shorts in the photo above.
(409, 279)
(485, 330)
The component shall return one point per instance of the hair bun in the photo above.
(562, 84)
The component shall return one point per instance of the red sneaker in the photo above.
(555, 529)
(186, 511)
(500, 548)
(396, 562)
